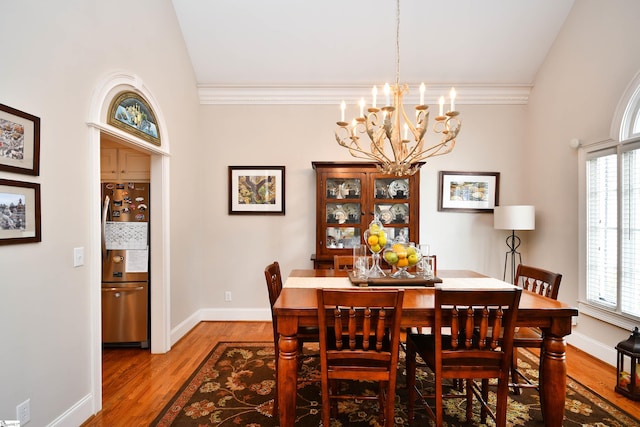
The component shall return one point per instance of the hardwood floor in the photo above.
(138, 384)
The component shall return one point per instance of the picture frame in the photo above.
(131, 113)
(19, 212)
(19, 141)
(468, 191)
(256, 190)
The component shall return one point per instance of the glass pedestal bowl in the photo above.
(402, 256)
(375, 237)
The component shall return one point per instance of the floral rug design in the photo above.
(235, 383)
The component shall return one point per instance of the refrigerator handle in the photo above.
(105, 213)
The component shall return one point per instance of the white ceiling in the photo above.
(240, 47)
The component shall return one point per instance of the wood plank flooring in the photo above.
(138, 384)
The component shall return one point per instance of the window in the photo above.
(612, 223)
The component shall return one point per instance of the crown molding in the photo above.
(315, 95)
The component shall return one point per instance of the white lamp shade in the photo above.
(514, 217)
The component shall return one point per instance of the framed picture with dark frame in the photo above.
(19, 141)
(468, 191)
(256, 190)
(131, 113)
(19, 212)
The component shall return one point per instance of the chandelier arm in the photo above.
(417, 132)
(376, 134)
(354, 147)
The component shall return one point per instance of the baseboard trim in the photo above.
(75, 415)
(221, 315)
(594, 348)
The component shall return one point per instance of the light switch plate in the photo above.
(78, 257)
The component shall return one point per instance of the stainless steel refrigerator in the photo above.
(125, 264)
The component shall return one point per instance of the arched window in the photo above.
(612, 218)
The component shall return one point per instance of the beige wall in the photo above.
(295, 136)
(577, 90)
(54, 55)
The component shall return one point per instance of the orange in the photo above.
(403, 262)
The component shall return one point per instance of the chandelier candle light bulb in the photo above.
(374, 93)
(422, 89)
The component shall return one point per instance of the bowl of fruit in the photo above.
(402, 255)
(375, 238)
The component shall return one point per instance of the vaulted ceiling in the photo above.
(242, 49)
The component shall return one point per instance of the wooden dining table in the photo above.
(297, 306)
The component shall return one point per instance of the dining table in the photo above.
(297, 306)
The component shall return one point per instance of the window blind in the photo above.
(630, 234)
(602, 228)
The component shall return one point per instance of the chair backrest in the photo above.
(537, 280)
(482, 324)
(274, 285)
(360, 325)
(341, 262)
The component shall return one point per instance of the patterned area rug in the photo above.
(234, 387)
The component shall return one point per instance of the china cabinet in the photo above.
(349, 195)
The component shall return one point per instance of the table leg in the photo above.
(287, 370)
(553, 380)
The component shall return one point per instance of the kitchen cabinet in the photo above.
(124, 164)
(349, 194)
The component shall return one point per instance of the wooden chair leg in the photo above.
(501, 399)
(411, 381)
(326, 405)
(381, 403)
(485, 398)
(469, 387)
(514, 372)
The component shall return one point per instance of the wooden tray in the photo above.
(390, 281)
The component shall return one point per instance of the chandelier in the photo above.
(395, 143)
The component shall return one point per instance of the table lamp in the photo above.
(513, 218)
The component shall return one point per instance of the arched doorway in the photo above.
(110, 87)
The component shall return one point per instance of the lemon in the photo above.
(372, 240)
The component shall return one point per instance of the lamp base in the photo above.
(513, 243)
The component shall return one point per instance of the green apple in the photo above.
(391, 257)
(413, 258)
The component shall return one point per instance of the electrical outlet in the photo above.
(78, 257)
(227, 296)
(23, 412)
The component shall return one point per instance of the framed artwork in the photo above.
(256, 190)
(19, 212)
(468, 191)
(19, 141)
(131, 113)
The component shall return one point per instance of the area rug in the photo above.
(234, 386)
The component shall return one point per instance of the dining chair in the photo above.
(545, 283)
(343, 262)
(305, 334)
(359, 341)
(481, 323)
